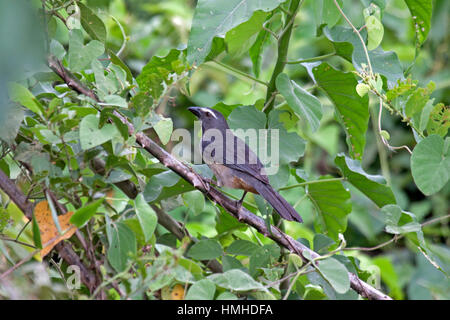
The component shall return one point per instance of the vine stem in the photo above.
(358, 34)
(311, 182)
(397, 237)
(318, 58)
(239, 72)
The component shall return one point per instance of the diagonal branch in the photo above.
(64, 249)
(231, 206)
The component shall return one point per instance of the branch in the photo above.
(231, 206)
(64, 249)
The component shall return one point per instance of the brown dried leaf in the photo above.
(50, 236)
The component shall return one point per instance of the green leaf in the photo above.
(439, 121)
(421, 11)
(205, 250)
(80, 55)
(256, 49)
(335, 273)
(375, 32)
(399, 221)
(195, 201)
(352, 110)
(11, 120)
(91, 136)
(348, 45)
(146, 216)
(263, 257)
(242, 247)
(18, 93)
(214, 18)
(332, 211)
(306, 106)
(236, 280)
(164, 128)
(389, 276)
(93, 25)
(326, 12)
(362, 89)
(164, 185)
(372, 186)
(122, 246)
(158, 72)
(240, 39)
(85, 213)
(36, 233)
(430, 164)
(201, 290)
(118, 62)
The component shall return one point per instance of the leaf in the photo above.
(236, 280)
(439, 122)
(49, 234)
(306, 106)
(348, 45)
(159, 72)
(389, 276)
(201, 290)
(80, 56)
(332, 211)
(93, 25)
(242, 247)
(335, 273)
(11, 120)
(375, 32)
(205, 250)
(36, 233)
(146, 215)
(430, 164)
(214, 18)
(263, 257)
(256, 50)
(326, 12)
(352, 110)
(85, 213)
(240, 38)
(399, 221)
(372, 186)
(91, 136)
(122, 246)
(164, 128)
(195, 201)
(421, 11)
(118, 62)
(18, 93)
(164, 185)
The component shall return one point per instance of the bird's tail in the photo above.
(284, 209)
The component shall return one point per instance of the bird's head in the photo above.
(210, 118)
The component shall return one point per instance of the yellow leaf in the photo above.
(50, 236)
(177, 292)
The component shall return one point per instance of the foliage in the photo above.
(372, 186)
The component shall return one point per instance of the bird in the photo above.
(234, 164)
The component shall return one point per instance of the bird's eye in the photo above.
(208, 114)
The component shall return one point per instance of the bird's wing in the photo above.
(234, 154)
(246, 161)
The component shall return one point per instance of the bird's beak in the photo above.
(196, 111)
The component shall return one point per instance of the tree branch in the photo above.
(231, 206)
(64, 249)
